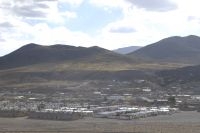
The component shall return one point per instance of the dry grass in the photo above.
(90, 125)
(96, 66)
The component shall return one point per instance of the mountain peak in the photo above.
(192, 36)
(31, 45)
(62, 46)
(95, 47)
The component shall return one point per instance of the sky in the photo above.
(110, 24)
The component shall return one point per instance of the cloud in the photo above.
(108, 3)
(122, 30)
(1, 39)
(41, 5)
(193, 18)
(22, 8)
(154, 5)
(6, 25)
(74, 3)
(44, 0)
(37, 11)
(28, 11)
(42, 33)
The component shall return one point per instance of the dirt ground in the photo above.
(183, 122)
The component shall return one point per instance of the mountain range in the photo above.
(182, 51)
(167, 53)
(34, 63)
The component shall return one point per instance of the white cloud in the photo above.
(151, 26)
(123, 29)
(42, 34)
(154, 5)
(47, 35)
(109, 3)
(72, 2)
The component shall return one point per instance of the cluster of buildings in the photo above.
(110, 112)
(58, 111)
(128, 113)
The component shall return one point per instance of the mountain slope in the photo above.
(127, 50)
(50, 66)
(172, 49)
(32, 54)
(181, 75)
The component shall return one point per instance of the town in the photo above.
(105, 102)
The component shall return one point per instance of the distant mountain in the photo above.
(127, 50)
(32, 54)
(172, 49)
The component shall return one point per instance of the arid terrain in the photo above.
(99, 66)
(183, 122)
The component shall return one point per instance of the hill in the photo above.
(172, 49)
(126, 50)
(36, 66)
(33, 54)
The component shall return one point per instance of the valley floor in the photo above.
(183, 122)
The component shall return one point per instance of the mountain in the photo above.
(172, 49)
(32, 54)
(35, 66)
(127, 50)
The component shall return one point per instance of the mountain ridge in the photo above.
(172, 49)
(32, 54)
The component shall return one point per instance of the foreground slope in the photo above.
(186, 79)
(181, 75)
(172, 49)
